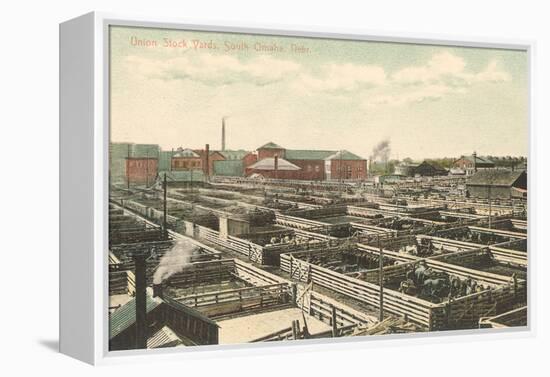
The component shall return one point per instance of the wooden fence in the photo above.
(458, 313)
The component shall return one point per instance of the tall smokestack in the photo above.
(223, 134)
(475, 161)
(141, 301)
(276, 165)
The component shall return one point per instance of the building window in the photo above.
(317, 168)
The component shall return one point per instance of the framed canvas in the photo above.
(230, 188)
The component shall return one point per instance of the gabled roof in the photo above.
(495, 177)
(271, 145)
(269, 164)
(125, 316)
(234, 154)
(164, 337)
(304, 154)
(344, 155)
(202, 152)
(185, 153)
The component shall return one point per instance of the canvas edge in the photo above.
(76, 190)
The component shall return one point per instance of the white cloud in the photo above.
(215, 69)
(346, 77)
(443, 75)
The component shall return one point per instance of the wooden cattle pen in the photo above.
(513, 318)
(227, 286)
(499, 292)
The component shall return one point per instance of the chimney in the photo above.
(223, 134)
(276, 164)
(141, 300)
(158, 290)
(207, 161)
(475, 161)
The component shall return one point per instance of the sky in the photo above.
(172, 88)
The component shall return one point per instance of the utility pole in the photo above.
(489, 198)
(340, 169)
(147, 168)
(128, 169)
(164, 224)
(381, 279)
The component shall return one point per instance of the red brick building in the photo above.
(470, 164)
(313, 165)
(141, 170)
(186, 159)
(270, 150)
(273, 167)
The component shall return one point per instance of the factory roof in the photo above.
(344, 155)
(495, 177)
(234, 154)
(186, 153)
(299, 154)
(269, 164)
(271, 145)
(125, 316)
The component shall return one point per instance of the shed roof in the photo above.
(125, 316)
(165, 337)
(269, 164)
(495, 177)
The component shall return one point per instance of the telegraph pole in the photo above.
(128, 169)
(147, 168)
(489, 188)
(164, 224)
(381, 279)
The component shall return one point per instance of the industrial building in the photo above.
(498, 184)
(136, 164)
(470, 164)
(311, 165)
(422, 169)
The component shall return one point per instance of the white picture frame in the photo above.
(84, 145)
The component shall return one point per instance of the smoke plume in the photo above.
(381, 151)
(174, 260)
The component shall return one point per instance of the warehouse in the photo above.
(496, 183)
(314, 165)
(470, 164)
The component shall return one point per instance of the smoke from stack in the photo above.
(174, 260)
(381, 151)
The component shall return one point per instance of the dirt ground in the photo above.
(247, 328)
